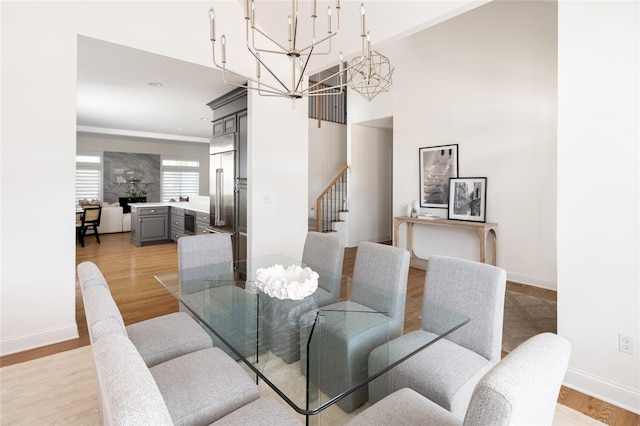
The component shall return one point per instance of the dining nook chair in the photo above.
(89, 218)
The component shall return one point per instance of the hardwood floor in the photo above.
(129, 271)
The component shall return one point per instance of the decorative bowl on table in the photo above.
(293, 282)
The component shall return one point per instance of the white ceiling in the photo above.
(114, 96)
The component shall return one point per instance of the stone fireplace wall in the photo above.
(115, 186)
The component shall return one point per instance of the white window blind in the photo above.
(88, 176)
(180, 178)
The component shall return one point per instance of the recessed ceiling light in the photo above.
(180, 129)
(154, 84)
(204, 119)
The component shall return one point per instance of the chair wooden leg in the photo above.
(95, 230)
(80, 236)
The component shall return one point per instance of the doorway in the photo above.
(371, 182)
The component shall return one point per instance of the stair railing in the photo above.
(328, 108)
(332, 201)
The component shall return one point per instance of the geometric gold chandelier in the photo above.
(369, 74)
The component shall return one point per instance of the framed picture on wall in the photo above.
(468, 199)
(437, 165)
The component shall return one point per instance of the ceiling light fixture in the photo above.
(369, 73)
(154, 84)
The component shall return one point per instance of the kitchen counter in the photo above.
(197, 207)
(163, 222)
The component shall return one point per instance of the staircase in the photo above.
(331, 206)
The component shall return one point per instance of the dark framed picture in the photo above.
(437, 165)
(468, 199)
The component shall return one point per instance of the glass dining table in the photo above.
(257, 330)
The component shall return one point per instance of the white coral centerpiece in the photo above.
(294, 282)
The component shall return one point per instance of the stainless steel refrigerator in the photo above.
(228, 192)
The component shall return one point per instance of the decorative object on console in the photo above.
(429, 216)
(437, 165)
(413, 209)
(293, 283)
(468, 199)
(134, 177)
(369, 74)
(135, 191)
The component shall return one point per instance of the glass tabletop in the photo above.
(294, 345)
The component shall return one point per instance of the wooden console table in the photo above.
(481, 229)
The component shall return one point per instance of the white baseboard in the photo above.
(25, 342)
(536, 282)
(620, 396)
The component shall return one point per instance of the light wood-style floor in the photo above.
(130, 270)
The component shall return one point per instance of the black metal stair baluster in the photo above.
(324, 214)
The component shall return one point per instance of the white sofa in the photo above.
(113, 219)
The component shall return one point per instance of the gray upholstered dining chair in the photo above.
(200, 257)
(324, 254)
(204, 249)
(196, 252)
(157, 339)
(447, 371)
(522, 389)
(378, 289)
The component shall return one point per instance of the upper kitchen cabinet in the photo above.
(225, 126)
(225, 109)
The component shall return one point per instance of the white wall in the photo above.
(278, 179)
(38, 79)
(598, 196)
(112, 143)
(485, 80)
(327, 154)
(370, 183)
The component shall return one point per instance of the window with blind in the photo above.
(180, 178)
(88, 176)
